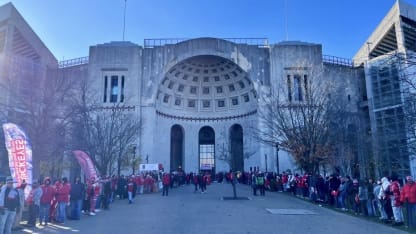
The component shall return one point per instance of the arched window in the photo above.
(207, 149)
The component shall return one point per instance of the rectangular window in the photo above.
(298, 88)
(193, 90)
(205, 90)
(206, 157)
(122, 89)
(105, 88)
(170, 86)
(289, 88)
(246, 98)
(178, 102)
(180, 88)
(221, 103)
(234, 101)
(114, 89)
(219, 89)
(206, 103)
(231, 87)
(305, 82)
(166, 99)
(191, 103)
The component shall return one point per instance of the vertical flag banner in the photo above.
(20, 155)
(86, 164)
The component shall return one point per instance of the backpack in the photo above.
(260, 180)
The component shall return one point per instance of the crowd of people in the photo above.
(55, 201)
(387, 198)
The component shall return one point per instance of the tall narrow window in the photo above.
(122, 89)
(105, 88)
(305, 82)
(289, 88)
(114, 88)
(298, 88)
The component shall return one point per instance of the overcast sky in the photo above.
(69, 27)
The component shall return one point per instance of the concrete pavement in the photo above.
(186, 212)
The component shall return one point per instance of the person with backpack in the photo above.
(260, 183)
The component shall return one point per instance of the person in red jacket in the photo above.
(48, 192)
(396, 204)
(408, 196)
(62, 197)
(166, 183)
(93, 191)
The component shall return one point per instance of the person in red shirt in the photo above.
(62, 197)
(130, 189)
(396, 204)
(408, 196)
(93, 191)
(48, 192)
(166, 183)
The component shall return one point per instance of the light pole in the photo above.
(265, 159)
(134, 159)
(277, 156)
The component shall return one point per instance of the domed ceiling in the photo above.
(206, 85)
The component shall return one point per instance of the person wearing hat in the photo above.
(9, 203)
(408, 196)
(48, 193)
(33, 202)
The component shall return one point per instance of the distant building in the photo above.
(383, 57)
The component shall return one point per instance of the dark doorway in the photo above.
(176, 148)
(207, 150)
(237, 151)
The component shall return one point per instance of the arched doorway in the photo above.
(207, 150)
(237, 151)
(176, 147)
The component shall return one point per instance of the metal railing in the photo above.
(153, 42)
(73, 62)
(337, 60)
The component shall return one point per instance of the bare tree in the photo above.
(228, 152)
(38, 100)
(299, 116)
(104, 132)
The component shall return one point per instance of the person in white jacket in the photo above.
(384, 197)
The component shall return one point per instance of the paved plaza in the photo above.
(186, 212)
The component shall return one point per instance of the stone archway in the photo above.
(237, 149)
(176, 147)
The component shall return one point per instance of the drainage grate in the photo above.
(291, 212)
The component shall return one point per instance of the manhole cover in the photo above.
(237, 198)
(291, 212)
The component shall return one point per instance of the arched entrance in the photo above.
(237, 151)
(207, 150)
(176, 147)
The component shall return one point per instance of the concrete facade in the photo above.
(205, 82)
